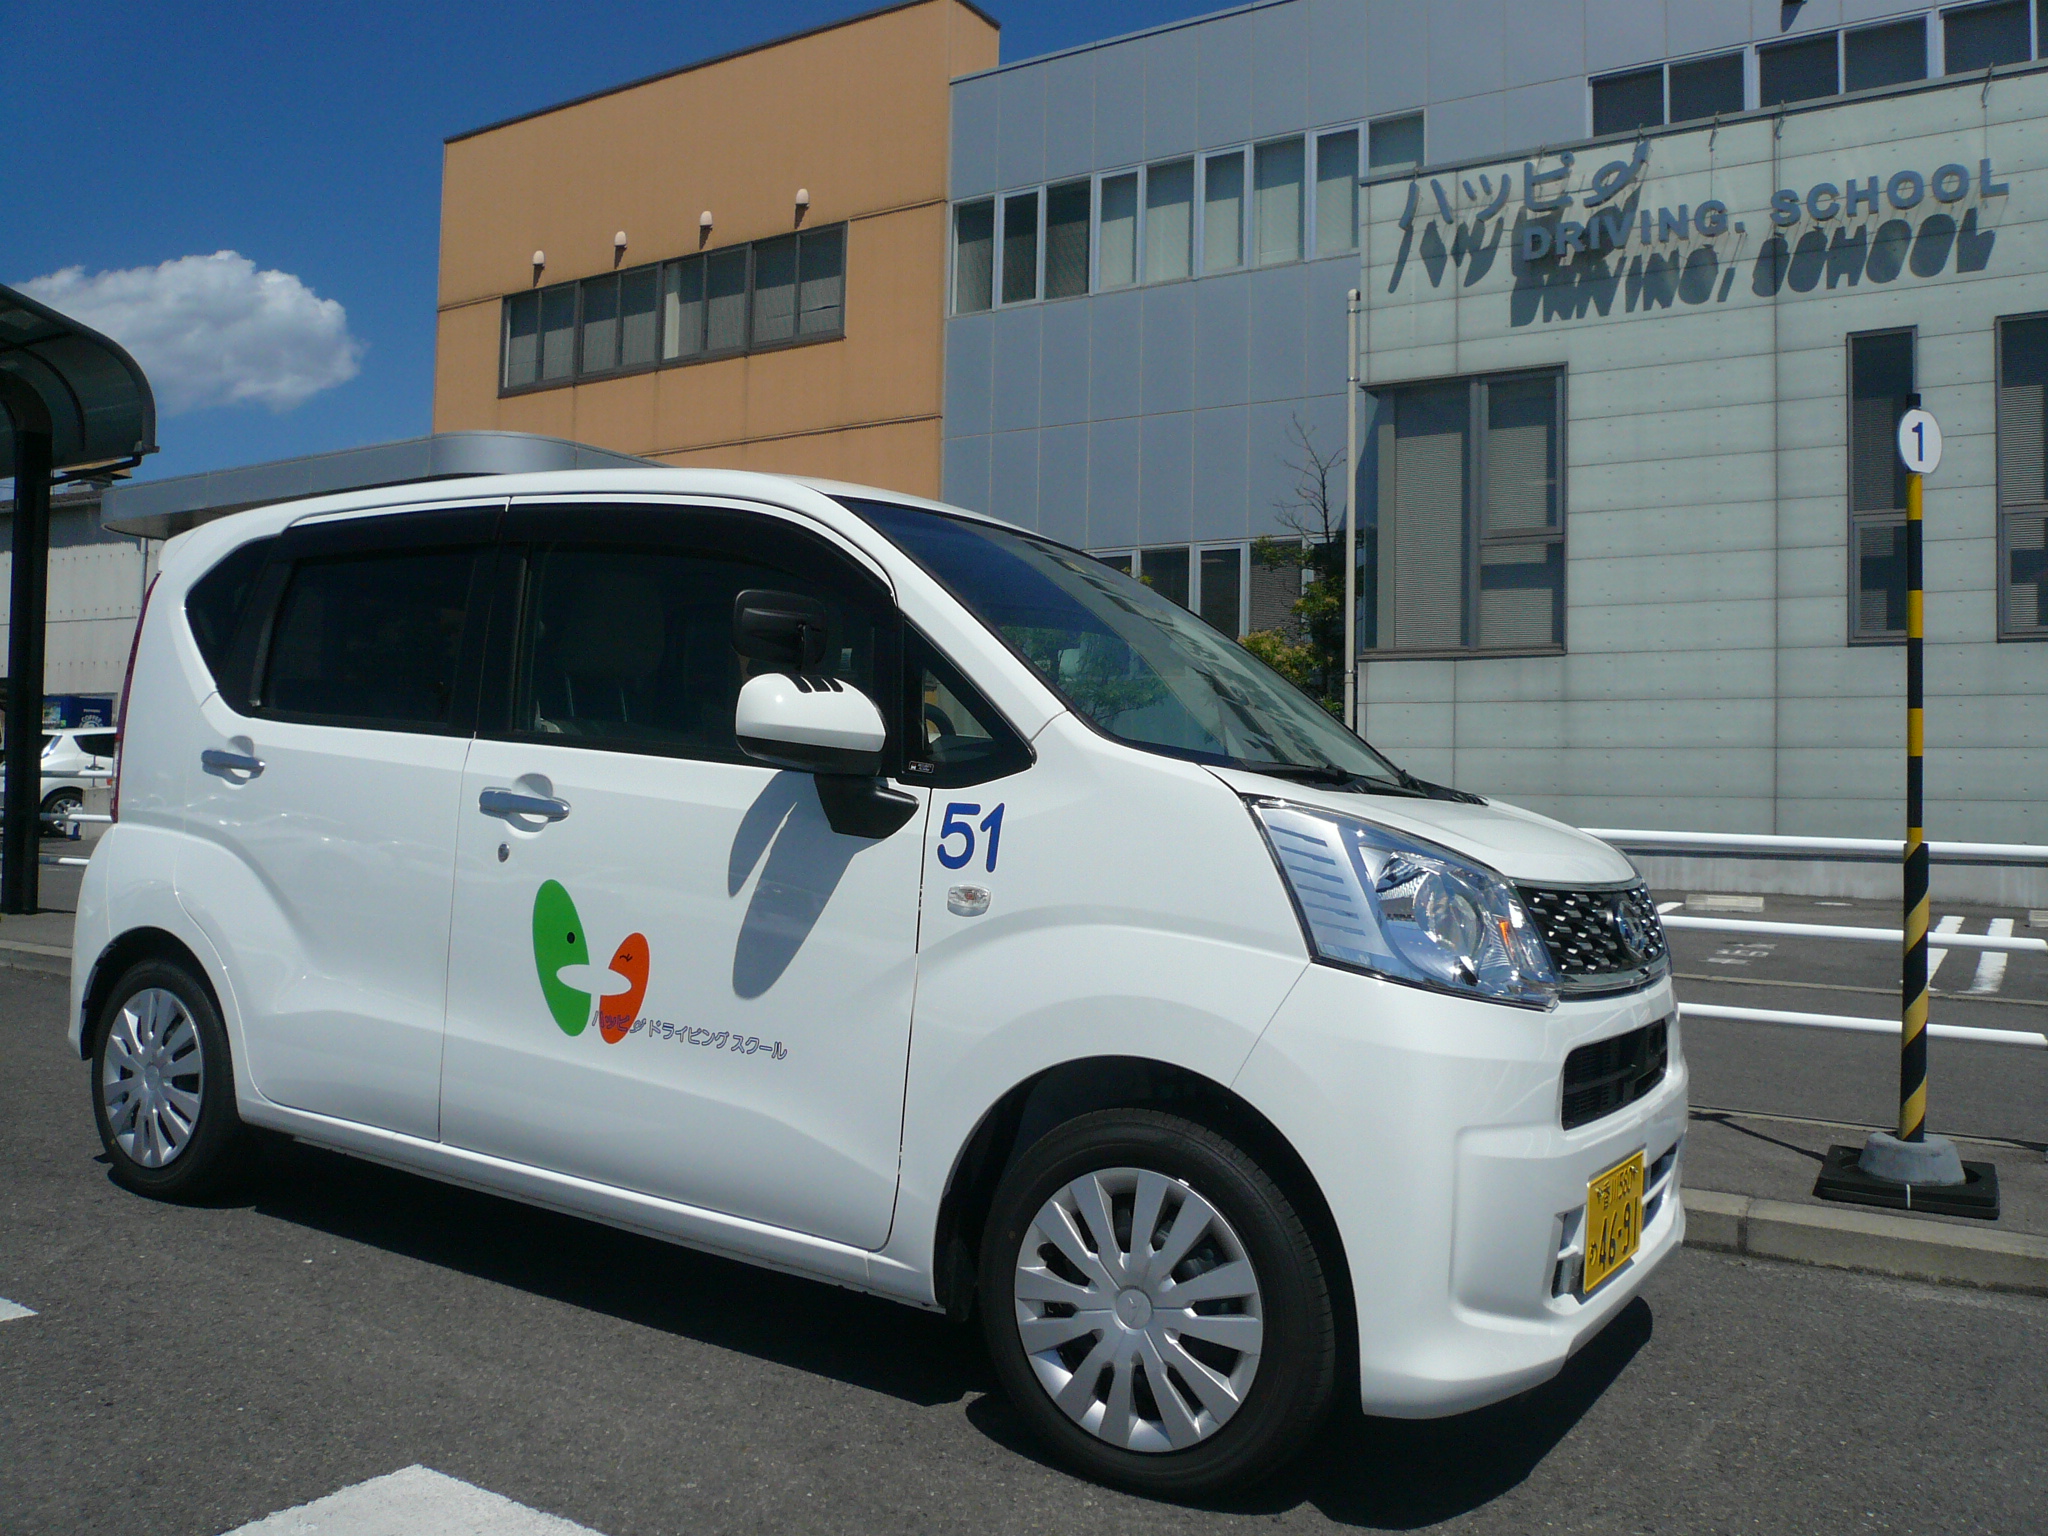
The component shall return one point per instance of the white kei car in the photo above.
(877, 891)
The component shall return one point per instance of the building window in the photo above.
(1209, 581)
(1020, 248)
(1622, 103)
(1169, 220)
(1277, 171)
(1880, 385)
(522, 340)
(1220, 589)
(1066, 239)
(1801, 70)
(725, 301)
(1337, 192)
(1463, 540)
(682, 310)
(743, 298)
(1117, 248)
(1706, 87)
(1223, 212)
(974, 256)
(1978, 36)
(775, 290)
(1394, 144)
(2023, 478)
(600, 327)
(1889, 55)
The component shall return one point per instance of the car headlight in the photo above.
(1406, 909)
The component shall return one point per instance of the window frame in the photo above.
(706, 354)
(1882, 518)
(1476, 540)
(2006, 630)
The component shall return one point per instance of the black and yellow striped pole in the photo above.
(1913, 1170)
(1913, 976)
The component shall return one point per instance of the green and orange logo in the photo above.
(559, 942)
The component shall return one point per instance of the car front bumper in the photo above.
(1433, 1127)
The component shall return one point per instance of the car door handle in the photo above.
(510, 802)
(216, 761)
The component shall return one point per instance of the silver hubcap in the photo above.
(1138, 1309)
(153, 1078)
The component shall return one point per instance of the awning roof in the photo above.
(101, 409)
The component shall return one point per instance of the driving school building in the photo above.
(1631, 515)
(1633, 506)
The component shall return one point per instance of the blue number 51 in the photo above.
(957, 823)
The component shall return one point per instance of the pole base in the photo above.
(1844, 1177)
(1930, 1160)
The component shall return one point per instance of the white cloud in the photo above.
(212, 330)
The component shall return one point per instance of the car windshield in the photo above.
(1143, 669)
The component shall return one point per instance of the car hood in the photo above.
(1517, 843)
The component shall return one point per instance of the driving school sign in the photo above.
(1701, 217)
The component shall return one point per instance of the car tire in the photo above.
(163, 1085)
(1246, 1386)
(60, 802)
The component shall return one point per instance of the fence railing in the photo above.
(1864, 850)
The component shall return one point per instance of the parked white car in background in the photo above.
(73, 763)
(874, 890)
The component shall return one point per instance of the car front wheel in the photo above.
(1154, 1305)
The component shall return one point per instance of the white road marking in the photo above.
(1668, 906)
(10, 1310)
(1936, 956)
(1991, 964)
(416, 1501)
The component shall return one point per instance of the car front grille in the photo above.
(1611, 1074)
(1599, 940)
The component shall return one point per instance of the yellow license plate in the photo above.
(1614, 1220)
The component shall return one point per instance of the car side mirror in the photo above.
(810, 723)
(785, 629)
(822, 726)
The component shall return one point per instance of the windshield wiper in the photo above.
(1336, 778)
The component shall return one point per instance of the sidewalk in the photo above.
(1749, 1189)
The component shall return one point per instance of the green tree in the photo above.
(1308, 650)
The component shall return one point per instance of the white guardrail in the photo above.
(1856, 849)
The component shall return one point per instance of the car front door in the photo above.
(670, 974)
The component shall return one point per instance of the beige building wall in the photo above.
(857, 115)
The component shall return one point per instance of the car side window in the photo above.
(371, 639)
(219, 600)
(956, 737)
(629, 648)
(98, 744)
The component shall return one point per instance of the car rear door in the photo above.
(322, 807)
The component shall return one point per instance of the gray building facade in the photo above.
(1637, 324)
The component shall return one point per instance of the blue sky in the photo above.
(308, 140)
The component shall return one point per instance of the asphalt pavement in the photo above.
(189, 1370)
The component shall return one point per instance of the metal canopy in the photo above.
(101, 411)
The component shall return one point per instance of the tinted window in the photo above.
(1706, 86)
(1984, 35)
(1622, 102)
(97, 744)
(218, 600)
(1887, 55)
(1797, 71)
(631, 648)
(371, 639)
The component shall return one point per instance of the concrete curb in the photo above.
(1850, 1237)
